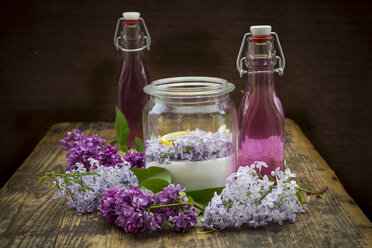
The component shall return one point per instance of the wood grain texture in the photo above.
(29, 217)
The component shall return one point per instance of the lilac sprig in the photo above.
(174, 205)
(136, 210)
(256, 200)
(196, 145)
(80, 148)
(84, 189)
(136, 159)
(127, 208)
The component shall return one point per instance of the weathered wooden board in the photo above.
(29, 217)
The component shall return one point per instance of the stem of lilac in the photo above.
(55, 179)
(316, 193)
(197, 205)
(169, 205)
(258, 201)
(74, 178)
(174, 205)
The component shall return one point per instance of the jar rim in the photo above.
(191, 86)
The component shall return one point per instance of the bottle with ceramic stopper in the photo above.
(132, 39)
(260, 115)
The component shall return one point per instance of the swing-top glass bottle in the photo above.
(260, 115)
(132, 38)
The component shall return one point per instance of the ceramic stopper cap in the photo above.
(131, 15)
(260, 30)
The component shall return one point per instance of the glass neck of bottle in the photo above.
(261, 56)
(132, 37)
(260, 63)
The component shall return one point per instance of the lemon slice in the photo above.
(167, 138)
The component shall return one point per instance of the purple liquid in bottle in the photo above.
(261, 116)
(133, 77)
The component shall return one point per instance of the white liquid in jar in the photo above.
(194, 175)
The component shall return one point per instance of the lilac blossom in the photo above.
(136, 159)
(107, 205)
(183, 220)
(196, 145)
(137, 210)
(252, 199)
(81, 147)
(127, 208)
(183, 217)
(86, 199)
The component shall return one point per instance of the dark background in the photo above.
(58, 63)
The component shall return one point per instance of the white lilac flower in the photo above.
(252, 199)
(260, 164)
(196, 145)
(86, 199)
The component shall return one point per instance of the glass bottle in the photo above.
(260, 114)
(134, 75)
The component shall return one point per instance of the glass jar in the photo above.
(189, 128)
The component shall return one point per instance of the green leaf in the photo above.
(153, 178)
(140, 146)
(300, 197)
(302, 189)
(206, 232)
(144, 174)
(308, 198)
(123, 148)
(42, 179)
(155, 184)
(321, 196)
(198, 212)
(204, 196)
(113, 142)
(143, 188)
(122, 130)
(199, 223)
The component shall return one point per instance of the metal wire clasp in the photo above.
(146, 37)
(240, 60)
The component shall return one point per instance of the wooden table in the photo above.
(29, 217)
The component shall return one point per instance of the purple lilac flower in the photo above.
(127, 208)
(110, 156)
(196, 145)
(81, 147)
(88, 200)
(183, 221)
(107, 205)
(254, 200)
(169, 195)
(137, 159)
(183, 217)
